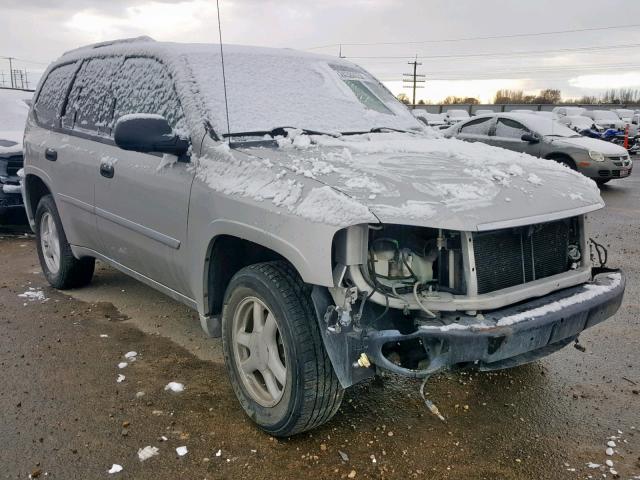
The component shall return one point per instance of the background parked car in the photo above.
(624, 114)
(548, 139)
(579, 123)
(13, 115)
(605, 118)
(568, 111)
(483, 112)
(634, 127)
(455, 116)
(435, 120)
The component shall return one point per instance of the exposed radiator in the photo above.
(514, 256)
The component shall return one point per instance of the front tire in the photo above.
(61, 269)
(277, 364)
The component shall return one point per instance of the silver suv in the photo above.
(313, 224)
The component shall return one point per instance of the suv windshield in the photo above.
(273, 88)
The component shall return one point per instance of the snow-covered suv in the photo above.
(314, 224)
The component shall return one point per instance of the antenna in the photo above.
(224, 79)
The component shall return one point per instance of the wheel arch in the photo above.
(226, 255)
(560, 156)
(35, 187)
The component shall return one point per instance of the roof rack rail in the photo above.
(143, 38)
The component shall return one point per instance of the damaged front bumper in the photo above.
(501, 339)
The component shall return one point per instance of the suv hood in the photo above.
(586, 143)
(10, 143)
(427, 180)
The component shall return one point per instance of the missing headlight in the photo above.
(400, 257)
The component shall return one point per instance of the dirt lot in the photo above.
(65, 416)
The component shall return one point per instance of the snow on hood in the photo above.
(10, 142)
(427, 180)
(606, 148)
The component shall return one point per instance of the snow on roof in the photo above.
(541, 124)
(267, 87)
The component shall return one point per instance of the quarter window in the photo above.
(90, 104)
(479, 126)
(52, 94)
(508, 128)
(143, 85)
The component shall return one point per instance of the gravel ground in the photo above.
(65, 416)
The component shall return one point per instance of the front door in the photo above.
(508, 134)
(142, 200)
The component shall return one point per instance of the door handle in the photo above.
(107, 170)
(50, 154)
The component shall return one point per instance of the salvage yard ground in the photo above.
(64, 414)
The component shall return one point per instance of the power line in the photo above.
(501, 54)
(489, 37)
(24, 60)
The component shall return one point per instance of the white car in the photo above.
(455, 116)
(569, 111)
(625, 114)
(430, 119)
(483, 112)
(605, 118)
(579, 123)
(634, 127)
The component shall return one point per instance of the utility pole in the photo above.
(11, 70)
(414, 78)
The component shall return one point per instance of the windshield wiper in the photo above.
(275, 132)
(378, 130)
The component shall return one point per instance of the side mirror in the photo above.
(529, 137)
(148, 133)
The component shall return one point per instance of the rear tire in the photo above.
(61, 269)
(277, 364)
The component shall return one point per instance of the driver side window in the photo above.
(478, 126)
(507, 128)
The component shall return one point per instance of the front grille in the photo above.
(604, 173)
(509, 257)
(14, 164)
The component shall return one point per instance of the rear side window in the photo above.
(479, 126)
(52, 94)
(90, 104)
(143, 85)
(508, 128)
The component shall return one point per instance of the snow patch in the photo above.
(174, 387)
(147, 452)
(591, 291)
(120, 378)
(115, 468)
(325, 205)
(412, 209)
(33, 295)
(182, 451)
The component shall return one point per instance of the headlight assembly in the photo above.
(597, 156)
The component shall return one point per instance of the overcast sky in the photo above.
(578, 63)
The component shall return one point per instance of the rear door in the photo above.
(54, 149)
(142, 205)
(508, 134)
